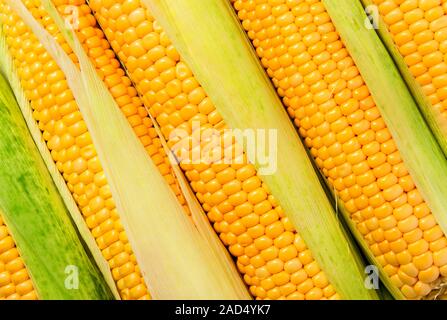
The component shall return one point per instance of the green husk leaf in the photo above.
(434, 118)
(37, 218)
(174, 257)
(418, 148)
(9, 72)
(210, 39)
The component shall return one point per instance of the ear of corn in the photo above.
(38, 220)
(423, 157)
(351, 142)
(415, 34)
(7, 68)
(140, 205)
(333, 248)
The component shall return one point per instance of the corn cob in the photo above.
(66, 134)
(274, 259)
(329, 102)
(15, 283)
(419, 31)
(415, 33)
(31, 207)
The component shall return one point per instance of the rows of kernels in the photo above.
(338, 120)
(126, 96)
(67, 137)
(273, 258)
(15, 282)
(419, 30)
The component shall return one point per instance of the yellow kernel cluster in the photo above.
(419, 30)
(66, 133)
(326, 97)
(15, 282)
(273, 258)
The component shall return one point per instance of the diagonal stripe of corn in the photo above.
(329, 102)
(419, 30)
